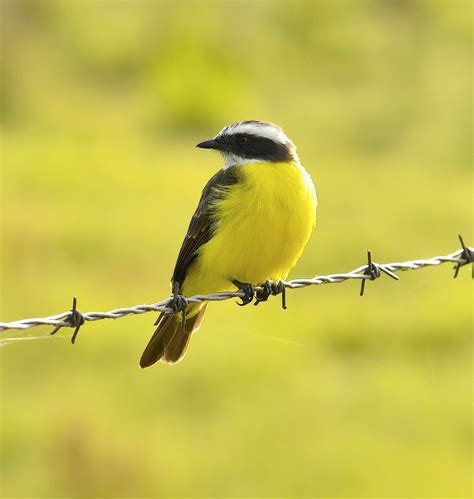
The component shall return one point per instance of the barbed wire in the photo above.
(369, 271)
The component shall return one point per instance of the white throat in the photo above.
(234, 160)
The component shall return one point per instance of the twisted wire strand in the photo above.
(369, 271)
(359, 273)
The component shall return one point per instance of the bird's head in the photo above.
(250, 141)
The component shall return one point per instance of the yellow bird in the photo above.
(251, 225)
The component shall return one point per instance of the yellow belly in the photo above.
(265, 221)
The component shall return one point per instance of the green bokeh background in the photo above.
(102, 104)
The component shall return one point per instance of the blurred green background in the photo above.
(102, 103)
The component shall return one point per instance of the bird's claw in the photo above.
(271, 288)
(264, 293)
(248, 291)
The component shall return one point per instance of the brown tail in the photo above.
(170, 340)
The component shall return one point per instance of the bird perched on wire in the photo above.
(250, 227)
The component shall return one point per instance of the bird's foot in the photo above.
(247, 289)
(271, 288)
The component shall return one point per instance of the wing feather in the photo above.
(201, 227)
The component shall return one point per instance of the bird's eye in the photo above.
(242, 140)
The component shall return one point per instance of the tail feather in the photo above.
(176, 349)
(161, 338)
(170, 340)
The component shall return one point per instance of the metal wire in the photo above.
(369, 271)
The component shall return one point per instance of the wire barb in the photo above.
(374, 271)
(467, 256)
(370, 271)
(75, 319)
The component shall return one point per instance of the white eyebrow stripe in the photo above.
(257, 129)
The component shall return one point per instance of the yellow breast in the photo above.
(264, 223)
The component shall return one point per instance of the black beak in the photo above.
(209, 144)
